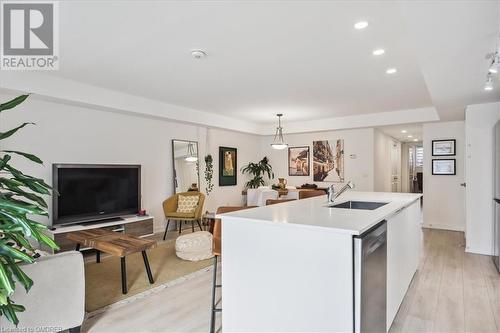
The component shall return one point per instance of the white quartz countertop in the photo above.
(314, 213)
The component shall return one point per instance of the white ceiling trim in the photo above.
(79, 94)
(420, 115)
(76, 93)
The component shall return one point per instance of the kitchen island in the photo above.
(291, 267)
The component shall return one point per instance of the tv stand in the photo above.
(111, 219)
(140, 226)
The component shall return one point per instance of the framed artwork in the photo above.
(298, 161)
(228, 166)
(444, 167)
(328, 161)
(444, 147)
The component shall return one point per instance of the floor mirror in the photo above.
(185, 156)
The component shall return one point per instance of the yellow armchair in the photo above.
(171, 213)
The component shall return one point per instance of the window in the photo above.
(419, 160)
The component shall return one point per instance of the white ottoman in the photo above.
(195, 246)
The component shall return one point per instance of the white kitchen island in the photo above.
(289, 267)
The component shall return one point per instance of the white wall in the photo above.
(358, 142)
(444, 198)
(479, 122)
(71, 134)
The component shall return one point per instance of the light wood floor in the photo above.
(452, 292)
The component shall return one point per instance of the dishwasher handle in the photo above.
(375, 244)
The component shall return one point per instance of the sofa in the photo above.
(56, 302)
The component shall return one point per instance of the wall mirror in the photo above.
(185, 156)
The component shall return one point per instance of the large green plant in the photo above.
(258, 171)
(21, 198)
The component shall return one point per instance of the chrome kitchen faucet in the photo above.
(332, 195)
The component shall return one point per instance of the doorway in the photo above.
(395, 166)
(415, 163)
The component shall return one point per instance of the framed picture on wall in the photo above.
(228, 166)
(447, 167)
(298, 161)
(328, 161)
(444, 147)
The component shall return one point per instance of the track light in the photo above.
(488, 86)
(494, 64)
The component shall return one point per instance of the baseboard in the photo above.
(475, 251)
(443, 227)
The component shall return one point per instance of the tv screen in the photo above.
(95, 192)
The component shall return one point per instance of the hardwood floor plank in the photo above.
(478, 310)
(420, 317)
(449, 315)
(492, 281)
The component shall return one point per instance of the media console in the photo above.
(140, 226)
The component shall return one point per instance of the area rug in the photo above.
(103, 280)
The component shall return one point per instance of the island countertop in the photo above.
(314, 213)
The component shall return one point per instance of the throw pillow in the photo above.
(187, 203)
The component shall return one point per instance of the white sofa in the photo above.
(56, 302)
(258, 196)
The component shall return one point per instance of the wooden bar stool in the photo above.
(217, 250)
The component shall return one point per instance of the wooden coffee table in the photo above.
(116, 244)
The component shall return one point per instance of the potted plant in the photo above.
(258, 171)
(209, 173)
(20, 199)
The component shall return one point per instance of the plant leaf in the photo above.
(9, 312)
(4, 160)
(20, 275)
(13, 103)
(3, 299)
(5, 280)
(48, 241)
(31, 157)
(9, 251)
(5, 135)
(21, 207)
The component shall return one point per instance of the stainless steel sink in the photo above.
(367, 205)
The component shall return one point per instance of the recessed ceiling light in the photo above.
(378, 52)
(198, 54)
(360, 25)
(410, 136)
(391, 71)
(403, 131)
(415, 140)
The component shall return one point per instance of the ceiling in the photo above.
(300, 58)
(413, 130)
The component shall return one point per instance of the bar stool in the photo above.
(217, 250)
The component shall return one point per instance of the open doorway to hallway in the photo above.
(402, 148)
(413, 164)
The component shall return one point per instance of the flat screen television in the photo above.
(94, 192)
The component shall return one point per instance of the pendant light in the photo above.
(191, 157)
(279, 142)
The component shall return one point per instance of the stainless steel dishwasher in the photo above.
(370, 280)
